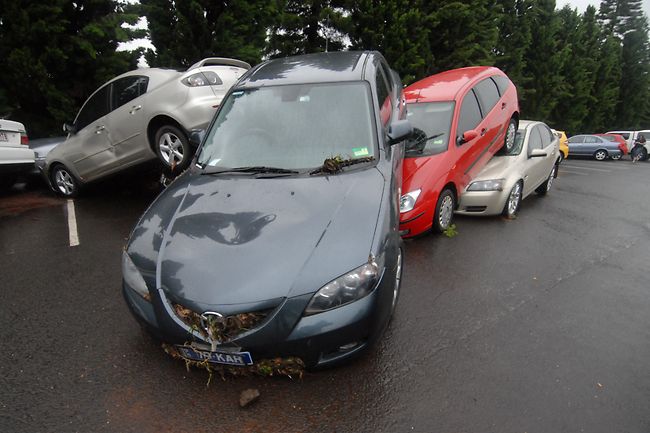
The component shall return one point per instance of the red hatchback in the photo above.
(460, 119)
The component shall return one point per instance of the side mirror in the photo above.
(468, 136)
(398, 131)
(70, 129)
(537, 153)
(196, 137)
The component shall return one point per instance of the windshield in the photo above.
(431, 124)
(291, 127)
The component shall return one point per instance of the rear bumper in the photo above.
(15, 168)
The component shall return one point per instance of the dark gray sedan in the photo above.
(597, 147)
(282, 238)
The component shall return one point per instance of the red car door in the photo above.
(469, 152)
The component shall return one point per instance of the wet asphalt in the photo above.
(539, 324)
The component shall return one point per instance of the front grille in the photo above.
(227, 329)
(475, 208)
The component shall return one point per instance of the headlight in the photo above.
(133, 278)
(347, 288)
(207, 78)
(487, 185)
(407, 201)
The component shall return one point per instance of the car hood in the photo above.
(213, 241)
(421, 167)
(499, 167)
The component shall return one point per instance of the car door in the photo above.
(495, 116)
(576, 145)
(88, 149)
(535, 166)
(592, 144)
(467, 153)
(126, 128)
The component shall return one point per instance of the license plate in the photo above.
(4, 136)
(218, 357)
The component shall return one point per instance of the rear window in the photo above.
(502, 83)
(488, 95)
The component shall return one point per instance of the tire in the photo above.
(544, 188)
(644, 155)
(600, 155)
(64, 182)
(173, 147)
(561, 158)
(444, 214)
(615, 157)
(7, 182)
(513, 202)
(511, 132)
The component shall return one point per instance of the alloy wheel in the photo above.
(64, 182)
(446, 212)
(514, 198)
(600, 155)
(510, 136)
(171, 148)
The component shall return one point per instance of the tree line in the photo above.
(580, 72)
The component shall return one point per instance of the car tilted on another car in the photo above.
(15, 157)
(460, 119)
(531, 165)
(599, 148)
(138, 116)
(287, 222)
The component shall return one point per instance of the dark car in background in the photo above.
(596, 147)
(287, 219)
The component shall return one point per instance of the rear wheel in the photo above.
(514, 201)
(600, 155)
(616, 157)
(173, 147)
(64, 182)
(444, 211)
(511, 132)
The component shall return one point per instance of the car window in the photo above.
(128, 88)
(431, 123)
(502, 83)
(592, 139)
(387, 74)
(577, 139)
(470, 114)
(488, 95)
(644, 134)
(294, 126)
(383, 96)
(625, 135)
(93, 109)
(547, 135)
(535, 139)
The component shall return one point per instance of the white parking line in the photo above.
(563, 171)
(72, 225)
(604, 170)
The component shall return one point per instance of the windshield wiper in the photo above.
(335, 165)
(419, 145)
(252, 170)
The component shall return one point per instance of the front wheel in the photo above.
(444, 211)
(64, 182)
(600, 155)
(173, 147)
(514, 201)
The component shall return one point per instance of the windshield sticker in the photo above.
(305, 98)
(238, 93)
(360, 151)
(438, 141)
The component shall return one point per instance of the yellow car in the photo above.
(564, 146)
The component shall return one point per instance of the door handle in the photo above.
(135, 108)
(99, 129)
(503, 105)
(483, 131)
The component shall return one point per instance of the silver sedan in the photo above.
(510, 177)
(138, 116)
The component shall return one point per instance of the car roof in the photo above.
(447, 85)
(309, 68)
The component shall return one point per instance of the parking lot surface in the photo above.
(538, 324)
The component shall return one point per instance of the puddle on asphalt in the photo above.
(17, 202)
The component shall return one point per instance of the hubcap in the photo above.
(398, 278)
(446, 211)
(513, 200)
(600, 155)
(64, 182)
(510, 137)
(171, 148)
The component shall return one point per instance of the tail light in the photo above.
(24, 139)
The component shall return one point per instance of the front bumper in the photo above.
(320, 340)
(482, 202)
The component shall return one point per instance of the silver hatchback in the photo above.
(138, 116)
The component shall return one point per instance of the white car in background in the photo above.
(531, 166)
(138, 116)
(631, 137)
(15, 156)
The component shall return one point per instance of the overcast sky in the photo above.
(582, 5)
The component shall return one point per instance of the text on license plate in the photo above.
(228, 358)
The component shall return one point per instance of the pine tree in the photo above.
(69, 51)
(185, 31)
